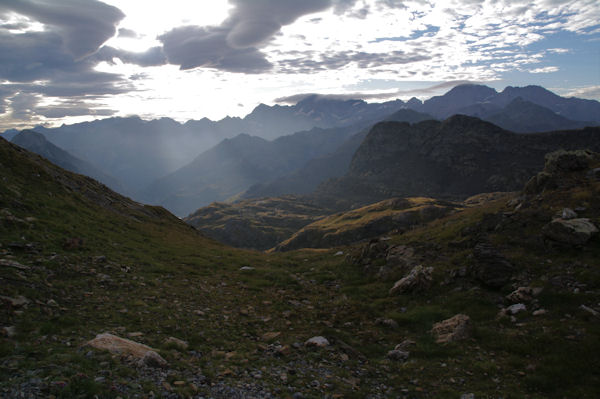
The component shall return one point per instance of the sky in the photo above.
(67, 61)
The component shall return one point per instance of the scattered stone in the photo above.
(390, 323)
(52, 302)
(590, 310)
(246, 268)
(516, 308)
(100, 259)
(122, 346)
(180, 344)
(9, 331)
(523, 294)
(540, 312)
(418, 279)
(318, 341)
(404, 345)
(153, 359)
(571, 232)
(13, 263)
(491, 267)
(269, 336)
(568, 213)
(179, 383)
(398, 355)
(453, 329)
(15, 302)
(467, 396)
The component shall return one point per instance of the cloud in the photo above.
(234, 46)
(152, 57)
(419, 92)
(128, 33)
(84, 25)
(363, 60)
(53, 54)
(590, 92)
(547, 69)
(194, 46)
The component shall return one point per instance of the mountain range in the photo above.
(186, 166)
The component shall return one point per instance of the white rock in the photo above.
(338, 253)
(516, 308)
(318, 341)
(246, 268)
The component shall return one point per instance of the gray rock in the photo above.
(571, 232)
(516, 308)
(398, 355)
(418, 279)
(9, 331)
(453, 329)
(246, 268)
(568, 213)
(153, 359)
(390, 323)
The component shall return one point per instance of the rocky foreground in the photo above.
(102, 296)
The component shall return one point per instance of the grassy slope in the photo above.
(161, 272)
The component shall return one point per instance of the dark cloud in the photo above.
(424, 92)
(84, 25)
(234, 46)
(253, 22)
(194, 46)
(60, 60)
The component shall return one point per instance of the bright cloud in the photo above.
(189, 59)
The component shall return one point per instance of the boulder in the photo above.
(453, 329)
(319, 342)
(491, 268)
(570, 231)
(418, 279)
(121, 346)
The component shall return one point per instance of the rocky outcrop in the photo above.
(456, 158)
(571, 231)
(419, 279)
(392, 215)
(453, 329)
(122, 346)
(564, 170)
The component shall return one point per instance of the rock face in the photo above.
(491, 268)
(456, 158)
(418, 279)
(571, 231)
(563, 170)
(126, 347)
(453, 329)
